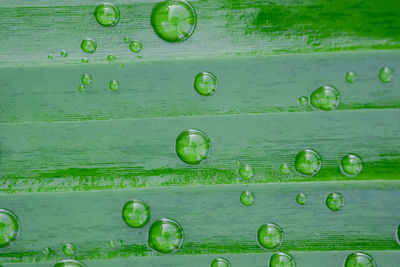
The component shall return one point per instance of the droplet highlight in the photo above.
(107, 14)
(270, 236)
(173, 20)
(192, 146)
(351, 76)
(69, 249)
(114, 85)
(220, 262)
(359, 259)
(135, 46)
(205, 83)
(301, 198)
(386, 74)
(351, 165)
(247, 198)
(281, 260)
(335, 201)
(88, 45)
(325, 98)
(86, 79)
(69, 263)
(9, 228)
(165, 236)
(246, 171)
(307, 162)
(136, 213)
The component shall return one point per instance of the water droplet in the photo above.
(270, 236)
(165, 236)
(64, 53)
(246, 171)
(192, 146)
(386, 74)
(351, 76)
(139, 56)
(398, 234)
(136, 213)
(281, 260)
(173, 20)
(247, 198)
(9, 228)
(68, 249)
(107, 14)
(325, 98)
(303, 101)
(86, 79)
(301, 198)
(69, 263)
(82, 88)
(205, 83)
(220, 262)
(85, 60)
(88, 45)
(46, 251)
(351, 165)
(335, 201)
(135, 46)
(114, 85)
(285, 169)
(127, 39)
(359, 259)
(111, 58)
(50, 56)
(307, 162)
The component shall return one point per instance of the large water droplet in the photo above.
(325, 98)
(114, 85)
(246, 171)
(9, 228)
(351, 76)
(301, 198)
(386, 74)
(64, 53)
(68, 249)
(351, 165)
(69, 263)
(192, 146)
(285, 169)
(165, 236)
(270, 236)
(281, 260)
(173, 20)
(107, 14)
(205, 83)
(247, 198)
(88, 45)
(86, 79)
(307, 162)
(303, 101)
(220, 262)
(136, 213)
(334, 201)
(135, 46)
(359, 259)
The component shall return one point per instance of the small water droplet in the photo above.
(127, 39)
(301, 198)
(68, 249)
(281, 260)
(173, 20)
(64, 53)
(270, 236)
(192, 146)
(135, 46)
(114, 85)
(165, 236)
(285, 169)
(398, 234)
(247, 198)
(50, 56)
(86, 79)
(85, 60)
(351, 76)
(88, 45)
(205, 83)
(220, 262)
(246, 171)
(107, 14)
(111, 244)
(69, 263)
(111, 58)
(307, 162)
(351, 165)
(139, 56)
(325, 98)
(136, 213)
(359, 259)
(386, 74)
(303, 101)
(335, 201)
(9, 228)
(82, 88)
(46, 251)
